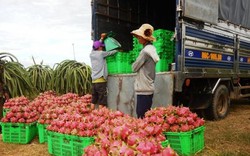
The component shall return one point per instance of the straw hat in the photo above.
(145, 31)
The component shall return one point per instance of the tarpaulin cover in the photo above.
(235, 11)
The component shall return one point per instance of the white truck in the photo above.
(212, 51)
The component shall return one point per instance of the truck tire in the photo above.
(219, 107)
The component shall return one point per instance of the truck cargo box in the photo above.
(123, 16)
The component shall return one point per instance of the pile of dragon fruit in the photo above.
(115, 133)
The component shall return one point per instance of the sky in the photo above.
(50, 31)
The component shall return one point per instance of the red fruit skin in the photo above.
(133, 139)
(168, 152)
(144, 148)
(61, 130)
(116, 143)
(9, 115)
(103, 152)
(26, 115)
(117, 131)
(41, 121)
(125, 132)
(29, 121)
(13, 119)
(190, 120)
(105, 143)
(4, 120)
(184, 128)
(68, 131)
(118, 113)
(165, 127)
(19, 115)
(160, 137)
(40, 109)
(81, 126)
(174, 128)
(67, 124)
(47, 121)
(123, 149)
(157, 130)
(200, 121)
(183, 111)
(150, 130)
(82, 133)
(129, 152)
(171, 120)
(21, 120)
(73, 125)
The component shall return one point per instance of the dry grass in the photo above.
(227, 137)
(32, 149)
(230, 136)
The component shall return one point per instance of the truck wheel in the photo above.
(220, 104)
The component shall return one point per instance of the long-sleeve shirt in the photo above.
(145, 68)
(98, 63)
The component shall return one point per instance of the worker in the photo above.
(144, 66)
(99, 73)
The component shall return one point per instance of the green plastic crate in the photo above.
(111, 65)
(162, 66)
(62, 144)
(21, 133)
(5, 111)
(186, 143)
(42, 135)
(198, 139)
(119, 64)
(165, 143)
(181, 142)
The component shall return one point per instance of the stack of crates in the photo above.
(111, 63)
(128, 62)
(121, 62)
(165, 49)
(137, 47)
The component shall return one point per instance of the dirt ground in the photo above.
(227, 137)
(230, 136)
